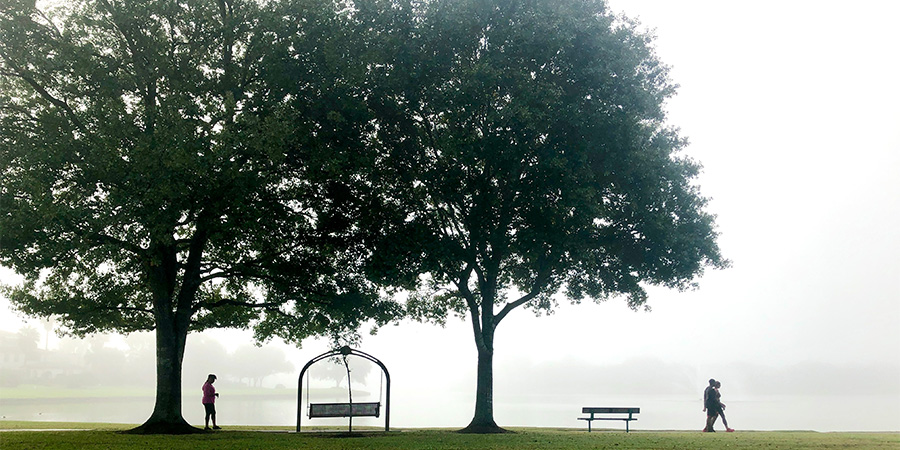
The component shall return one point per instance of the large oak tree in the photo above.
(527, 143)
(182, 165)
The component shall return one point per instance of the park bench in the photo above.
(345, 409)
(606, 410)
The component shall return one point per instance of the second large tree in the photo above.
(529, 151)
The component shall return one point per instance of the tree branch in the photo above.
(513, 305)
(219, 303)
(104, 239)
(539, 283)
(46, 95)
(260, 276)
(237, 303)
(50, 25)
(141, 64)
(462, 285)
(122, 308)
(239, 269)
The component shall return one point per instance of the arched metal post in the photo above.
(346, 351)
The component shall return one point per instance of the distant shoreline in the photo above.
(59, 393)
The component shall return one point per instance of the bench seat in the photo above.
(344, 409)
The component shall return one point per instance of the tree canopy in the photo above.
(529, 148)
(178, 166)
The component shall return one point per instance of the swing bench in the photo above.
(350, 409)
(370, 409)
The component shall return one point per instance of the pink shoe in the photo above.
(730, 430)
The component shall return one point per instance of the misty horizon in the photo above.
(95, 367)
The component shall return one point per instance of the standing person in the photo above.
(209, 401)
(711, 405)
(722, 408)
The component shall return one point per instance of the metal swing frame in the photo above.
(346, 409)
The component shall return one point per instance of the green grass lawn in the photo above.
(107, 436)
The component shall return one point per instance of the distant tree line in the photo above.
(91, 362)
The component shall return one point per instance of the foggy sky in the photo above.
(792, 108)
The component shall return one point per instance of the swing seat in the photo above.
(372, 409)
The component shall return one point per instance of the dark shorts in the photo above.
(713, 412)
(210, 408)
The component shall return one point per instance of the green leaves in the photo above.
(542, 160)
(216, 155)
(184, 159)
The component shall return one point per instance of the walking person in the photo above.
(711, 405)
(209, 401)
(722, 408)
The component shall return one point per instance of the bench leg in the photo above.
(589, 425)
(626, 425)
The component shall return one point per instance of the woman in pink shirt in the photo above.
(209, 401)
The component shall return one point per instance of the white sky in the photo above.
(793, 107)
(794, 110)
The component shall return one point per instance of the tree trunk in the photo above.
(484, 328)
(483, 421)
(167, 416)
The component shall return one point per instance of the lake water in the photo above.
(818, 413)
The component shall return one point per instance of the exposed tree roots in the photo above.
(165, 428)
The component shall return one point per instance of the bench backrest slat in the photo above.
(593, 410)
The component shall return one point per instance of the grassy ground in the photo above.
(105, 436)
